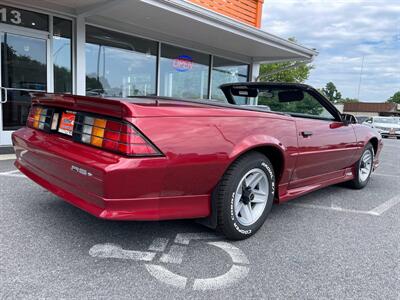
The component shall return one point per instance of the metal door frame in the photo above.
(5, 135)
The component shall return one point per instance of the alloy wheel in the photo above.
(251, 197)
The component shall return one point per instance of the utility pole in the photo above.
(359, 82)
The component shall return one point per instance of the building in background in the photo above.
(124, 48)
(372, 109)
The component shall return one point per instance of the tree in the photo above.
(331, 92)
(298, 74)
(348, 100)
(395, 98)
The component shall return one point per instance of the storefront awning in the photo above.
(185, 24)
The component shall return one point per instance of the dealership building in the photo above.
(125, 48)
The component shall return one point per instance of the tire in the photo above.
(361, 178)
(242, 207)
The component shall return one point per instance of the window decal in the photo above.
(183, 63)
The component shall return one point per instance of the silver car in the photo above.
(386, 126)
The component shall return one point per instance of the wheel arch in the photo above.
(273, 152)
(374, 141)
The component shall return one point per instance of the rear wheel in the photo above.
(244, 196)
(363, 168)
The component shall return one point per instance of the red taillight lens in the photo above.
(116, 136)
(40, 118)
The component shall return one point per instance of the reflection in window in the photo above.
(119, 65)
(226, 71)
(183, 73)
(308, 106)
(23, 66)
(62, 34)
(24, 62)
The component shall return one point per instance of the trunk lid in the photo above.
(140, 107)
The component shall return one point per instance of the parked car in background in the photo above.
(155, 158)
(386, 126)
(361, 119)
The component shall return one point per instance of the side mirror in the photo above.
(348, 119)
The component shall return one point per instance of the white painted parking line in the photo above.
(13, 173)
(334, 208)
(236, 273)
(234, 252)
(115, 251)
(166, 276)
(8, 157)
(159, 244)
(386, 206)
(184, 238)
(377, 211)
(386, 175)
(175, 255)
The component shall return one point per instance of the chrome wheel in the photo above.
(365, 165)
(251, 197)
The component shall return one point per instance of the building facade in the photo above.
(125, 48)
(372, 109)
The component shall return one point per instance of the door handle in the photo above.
(2, 101)
(306, 133)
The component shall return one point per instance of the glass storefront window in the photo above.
(23, 68)
(24, 63)
(226, 71)
(62, 58)
(183, 73)
(119, 65)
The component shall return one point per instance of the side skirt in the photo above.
(345, 175)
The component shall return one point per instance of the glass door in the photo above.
(24, 69)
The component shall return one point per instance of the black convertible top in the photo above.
(252, 87)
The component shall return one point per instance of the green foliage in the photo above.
(330, 91)
(348, 100)
(297, 74)
(308, 105)
(395, 98)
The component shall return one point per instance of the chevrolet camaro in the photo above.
(221, 162)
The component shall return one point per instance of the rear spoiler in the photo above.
(102, 106)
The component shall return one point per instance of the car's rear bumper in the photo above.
(103, 184)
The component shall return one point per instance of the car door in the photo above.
(325, 149)
(326, 145)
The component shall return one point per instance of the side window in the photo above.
(295, 103)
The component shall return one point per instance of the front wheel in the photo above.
(244, 196)
(363, 168)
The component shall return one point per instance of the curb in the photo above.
(7, 157)
(6, 150)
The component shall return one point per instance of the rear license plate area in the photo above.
(67, 123)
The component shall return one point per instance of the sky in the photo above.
(343, 32)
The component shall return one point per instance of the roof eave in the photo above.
(233, 25)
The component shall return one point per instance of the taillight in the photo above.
(113, 135)
(40, 118)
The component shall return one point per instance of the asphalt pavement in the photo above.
(335, 243)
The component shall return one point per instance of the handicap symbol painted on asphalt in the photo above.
(238, 271)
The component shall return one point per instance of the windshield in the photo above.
(290, 101)
(387, 120)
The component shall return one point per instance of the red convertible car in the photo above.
(154, 158)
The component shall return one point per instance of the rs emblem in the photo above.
(80, 171)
